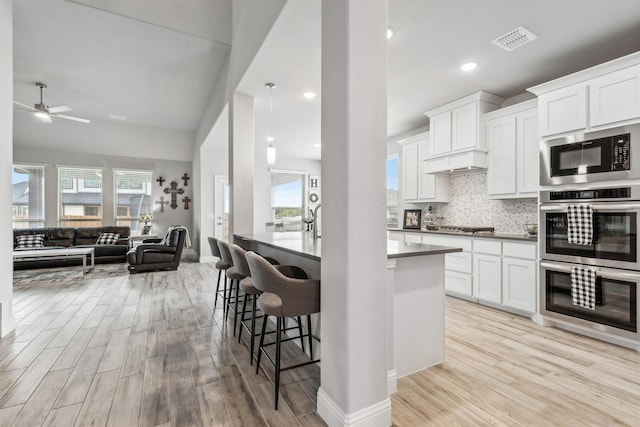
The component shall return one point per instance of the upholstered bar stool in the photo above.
(220, 266)
(234, 276)
(251, 294)
(282, 297)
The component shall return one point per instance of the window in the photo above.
(28, 196)
(287, 194)
(392, 191)
(80, 195)
(133, 196)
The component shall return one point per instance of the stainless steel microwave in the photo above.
(605, 155)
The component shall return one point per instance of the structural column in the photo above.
(353, 387)
(241, 164)
(6, 164)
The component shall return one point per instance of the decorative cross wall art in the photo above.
(186, 201)
(186, 179)
(160, 180)
(174, 191)
(162, 203)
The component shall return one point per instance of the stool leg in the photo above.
(300, 332)
(244, 306)
(310, 339)
(224, 296)
(264, 330)
(215, 300)
(235, 307)
(253, 325)
(228, 305)
(278, 342)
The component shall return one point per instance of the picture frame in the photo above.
(412, 219)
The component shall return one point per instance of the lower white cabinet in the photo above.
(519, 283)
(413, 237)
(396, 235)
(487, 277)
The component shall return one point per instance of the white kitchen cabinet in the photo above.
(410, 171)
(599, 97)
(440, 128)
(513, 144)
(487, 277)
(455, 132)
(418, 186)
(563, 110)
(412, 238)
(395, 235)
(615, 97)
(458, 265)
(519, 283)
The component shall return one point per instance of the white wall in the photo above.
(262, 185)
(168, 169)
(6, 156)
(105, 138)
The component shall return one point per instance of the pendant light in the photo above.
(271, 150)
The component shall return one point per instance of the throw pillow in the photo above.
(107, 239)
(30, 241)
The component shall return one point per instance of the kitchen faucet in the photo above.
(314, 215)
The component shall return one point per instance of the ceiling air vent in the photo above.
(514, 39)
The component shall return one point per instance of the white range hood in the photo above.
(473, 159)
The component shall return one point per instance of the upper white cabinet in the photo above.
(603, 96)
(615, 97)
(418, 185)
(455, 132)
(512, 140)
(563, 110)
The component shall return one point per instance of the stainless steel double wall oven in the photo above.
(614, 250)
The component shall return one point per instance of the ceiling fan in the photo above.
(44, 112)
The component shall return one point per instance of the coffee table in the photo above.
(59, 254)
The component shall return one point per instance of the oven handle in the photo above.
(600, 272)
(595, 206)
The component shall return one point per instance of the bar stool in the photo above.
(220, 266)
(233, 275)
(251, 293)
(282, 297)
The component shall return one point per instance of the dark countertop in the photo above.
(506, 236)
(302, 243)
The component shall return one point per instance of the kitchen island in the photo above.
(415, 283)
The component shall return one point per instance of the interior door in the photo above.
(221, 197)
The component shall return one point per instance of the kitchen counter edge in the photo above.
(504, 236)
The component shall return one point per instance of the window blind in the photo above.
(80, 196)
(132, 195)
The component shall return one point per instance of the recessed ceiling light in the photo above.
(309, 95)
(117, 117)
(316, 145)
(270, 139)
(469, 66)
(390, 32)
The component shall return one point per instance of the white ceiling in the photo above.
(152, 62)
(432, 39)
(156, 62)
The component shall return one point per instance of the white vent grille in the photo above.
(514, 39)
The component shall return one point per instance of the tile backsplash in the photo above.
(470, 205)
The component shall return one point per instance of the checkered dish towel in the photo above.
(583, 287)
(580, 221)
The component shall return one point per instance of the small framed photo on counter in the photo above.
(412, 219)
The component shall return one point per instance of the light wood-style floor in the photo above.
(146, 350)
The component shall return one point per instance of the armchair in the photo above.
(162, 255)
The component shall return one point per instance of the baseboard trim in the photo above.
(7, 320)
(209, 258)
(392, 381)
(376, 415)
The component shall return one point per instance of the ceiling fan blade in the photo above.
(20, 104)
(60, 109)
(77, 119)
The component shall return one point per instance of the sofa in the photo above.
(84, 237)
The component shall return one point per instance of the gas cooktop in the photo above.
(460, 228)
